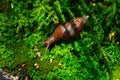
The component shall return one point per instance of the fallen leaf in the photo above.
(35, 64)
(59, 64)
(111, 35)
(38, 54)
(94, 4)
(50, 60)
(56, 22)
(24, 64)
(19, 69)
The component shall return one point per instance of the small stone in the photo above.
(26, 78)
(16, 77)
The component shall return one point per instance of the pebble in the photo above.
(7, 76)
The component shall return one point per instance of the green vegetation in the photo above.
(95, 55)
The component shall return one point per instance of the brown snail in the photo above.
(67, 31)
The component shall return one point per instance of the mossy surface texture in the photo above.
(94, 55)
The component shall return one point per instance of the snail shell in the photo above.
(67, 31)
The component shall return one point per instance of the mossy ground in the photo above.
(94, 55)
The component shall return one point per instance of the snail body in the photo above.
(67, 31)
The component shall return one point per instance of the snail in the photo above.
(69, 30)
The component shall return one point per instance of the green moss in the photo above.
(116, 74)
(93, 55)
